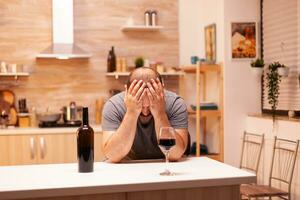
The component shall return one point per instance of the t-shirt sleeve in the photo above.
(110, 117)
(179, 116)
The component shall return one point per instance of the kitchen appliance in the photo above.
(63, 46)
(72, 114)
(59, 124)
(49, 117)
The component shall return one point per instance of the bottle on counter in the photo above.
(33, 120)
(85, 144)
(111, 60)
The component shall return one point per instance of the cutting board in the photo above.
(7, 104)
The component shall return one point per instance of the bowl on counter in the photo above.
(49, 117)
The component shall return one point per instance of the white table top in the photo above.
(63, 179)
(37, 130)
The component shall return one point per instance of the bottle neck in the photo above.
(85, 116)
(112, 50)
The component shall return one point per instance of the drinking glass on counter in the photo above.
(166, 142)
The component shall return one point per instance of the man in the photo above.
(132, 119)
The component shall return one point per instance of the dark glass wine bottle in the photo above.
(113, 59)
(85, 144)
(109, 60)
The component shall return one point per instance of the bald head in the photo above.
(143, 73)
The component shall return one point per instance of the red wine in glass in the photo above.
(167, 144)
(166, 141)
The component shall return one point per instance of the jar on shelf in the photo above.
(147, 16)
(153, 18)
(160, 68)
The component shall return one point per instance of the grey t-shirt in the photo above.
(145, 144)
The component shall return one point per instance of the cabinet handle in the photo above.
(43, 147)
(32, 147)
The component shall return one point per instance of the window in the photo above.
(281, 42)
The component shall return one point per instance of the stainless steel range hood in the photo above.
(63, 46)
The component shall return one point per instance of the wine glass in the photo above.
(166, 142)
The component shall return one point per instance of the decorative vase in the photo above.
(258, 71)
(283, 71)
(291, 113)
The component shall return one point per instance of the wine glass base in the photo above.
(166, 173)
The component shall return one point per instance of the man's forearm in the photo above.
(120, 142)
(178, 150)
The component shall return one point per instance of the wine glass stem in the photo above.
(167, 160)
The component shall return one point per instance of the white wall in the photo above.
(241, 87)
(283, 129)
(194, 15)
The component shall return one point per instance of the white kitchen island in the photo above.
(195, 178)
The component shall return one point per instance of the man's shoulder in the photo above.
(173, 101)
(171, 96)
(117, 98)
(116, 103)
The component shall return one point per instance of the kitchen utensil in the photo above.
(22, 106)
(72, 113)
(58, 124)
(3, 119)
(8, 96)
(24, 120)
(13, 118)
(7, 107)
(49, 117)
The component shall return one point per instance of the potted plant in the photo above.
(139, 62)
(257, 66)
(283, 70)
(273, 81)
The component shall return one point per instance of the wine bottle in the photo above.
(113, 62)
(85, 144)
(109, 59)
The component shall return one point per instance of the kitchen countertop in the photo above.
(30, 181)
(37, 130)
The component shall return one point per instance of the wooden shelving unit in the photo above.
(124, 74)
(141, 28)
(201, 71)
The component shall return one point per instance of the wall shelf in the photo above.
(205, 113)
(15, 75)
(124, 74)
(203, 68)
(141, 28)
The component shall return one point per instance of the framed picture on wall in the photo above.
(243, 40)
(210, 43)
